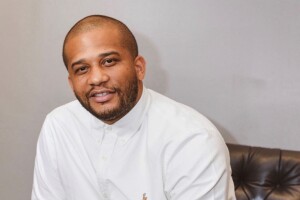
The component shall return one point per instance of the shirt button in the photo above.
(122, 141)
(104, 158)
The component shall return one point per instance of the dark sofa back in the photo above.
(265, 174)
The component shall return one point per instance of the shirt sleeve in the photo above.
(197, 167)
(46, 180)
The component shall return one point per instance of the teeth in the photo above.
(101, 94)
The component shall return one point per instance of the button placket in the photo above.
(107, 148)
(97, 135)
(103, 187)
(106, 151)
(122, 141)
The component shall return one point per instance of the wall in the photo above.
(237, 62)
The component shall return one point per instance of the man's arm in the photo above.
(198, 168)
(46, 181)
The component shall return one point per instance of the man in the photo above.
(120, 140)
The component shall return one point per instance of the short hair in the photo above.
(97, 21)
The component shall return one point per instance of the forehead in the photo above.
(103, 35)
(99, 39)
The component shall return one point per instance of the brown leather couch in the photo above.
(265, 174)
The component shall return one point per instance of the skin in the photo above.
(104, 76)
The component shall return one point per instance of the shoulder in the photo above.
(183, 133)
(174, 126)
(177, 116)
(66, 117)
(68, 111)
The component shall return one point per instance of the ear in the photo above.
(70, 82)
(140, 67)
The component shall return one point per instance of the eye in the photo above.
(81, 69)
(109, 62)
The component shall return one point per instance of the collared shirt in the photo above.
(160, 150)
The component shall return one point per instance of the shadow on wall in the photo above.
(225, 133)
(156, 77)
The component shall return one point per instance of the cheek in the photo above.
(124, 80)
(78, 85)
(120, 76)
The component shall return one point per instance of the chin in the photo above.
(104, 107)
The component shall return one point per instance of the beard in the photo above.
(127, 100)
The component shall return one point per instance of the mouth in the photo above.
(101, 96)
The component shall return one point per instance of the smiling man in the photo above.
(120, 140)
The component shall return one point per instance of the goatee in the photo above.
(127, 101)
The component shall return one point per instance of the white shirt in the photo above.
(162, 149)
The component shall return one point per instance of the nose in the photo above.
(97, 76)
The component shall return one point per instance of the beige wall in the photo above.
(237, 62)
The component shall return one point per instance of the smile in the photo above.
(102, 96)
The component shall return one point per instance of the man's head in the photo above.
(105, 70)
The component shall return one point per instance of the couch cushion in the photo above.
(264, 173)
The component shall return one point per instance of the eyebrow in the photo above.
(100, 56)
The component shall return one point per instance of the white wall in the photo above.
(235, 61)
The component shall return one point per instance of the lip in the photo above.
(102, 96)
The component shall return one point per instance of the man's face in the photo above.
(104, 76)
